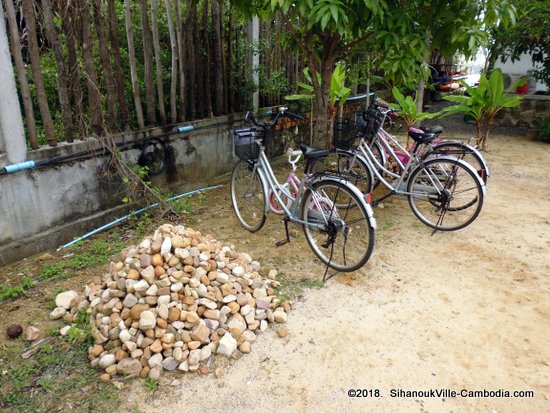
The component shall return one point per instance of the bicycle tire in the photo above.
(338, 163)
(446, 194)
(463, 152)
(248, 196)
(346, 241)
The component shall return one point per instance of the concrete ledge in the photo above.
(57, 236)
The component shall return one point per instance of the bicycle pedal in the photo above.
(282, 242)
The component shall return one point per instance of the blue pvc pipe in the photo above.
(21, 166)
(139, 211)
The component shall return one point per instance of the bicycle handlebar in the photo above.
(283, 111)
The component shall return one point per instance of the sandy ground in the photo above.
(465, 310)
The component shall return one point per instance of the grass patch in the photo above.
(291, 289)
(57, 377)
(87, 255)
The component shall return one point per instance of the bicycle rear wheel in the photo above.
(463, 152)
(341, 236)
(445, 194)
(348, 165)
(248, 196)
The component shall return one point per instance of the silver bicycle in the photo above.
(338, 223)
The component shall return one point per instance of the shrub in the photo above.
(543, 133)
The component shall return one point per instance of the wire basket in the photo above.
(371, 122)
(244, 141)
(344, 134)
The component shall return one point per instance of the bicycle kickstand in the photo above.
(287, 240)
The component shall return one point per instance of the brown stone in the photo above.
(133, 275)
(200, 310)
(234, 307)
(212, 314)
(144, 372)
(192, 317)
(236, 333)
(189, 300)
(120, 355)
(200, 333)
(105, 378)
(226, 288)
(189, 261)
(156, 347)
(214, 336)
(204, 370)
(150, 333)
(174, 314)
(213, 265)
(157, 260)
(205, 280)
(185, 336)
(283, 332)
(159, 271)
(189, 269)
(162, 323)
(95, 351)
(193, 345)
(136, 310)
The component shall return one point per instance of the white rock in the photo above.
(130, 300)
(184, 365)
(155, 360)
(106, 361)
(206, 352)
(194, 359)
(238, 271)
(152, 290)
(66, 299)
(166, 245)
(279, 316)
(222, 277)
(125, 336)
(162, 311)
(229, 298)
(57, 313)
(141, 285)
(176, 287)
(147, 320)
(65, 330)
(227, 345)
(181, 253)
(145, 244)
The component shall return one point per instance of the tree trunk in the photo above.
(173, 82)
(133, 65)
(182, 108)
(206, 61)
(34, 52)
(199, 74)
(230, 99)
(117, 58)
(191, 59)
(15, 42)
(94, 97)
(150, 101)
(218, 56)
(69, 19)
(108, 79)
(156, 45)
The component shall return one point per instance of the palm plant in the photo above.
(483, 102)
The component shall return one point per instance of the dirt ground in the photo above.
(464, 310)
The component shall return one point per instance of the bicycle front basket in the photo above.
(244, 140)
(344, 134)
(374, 121)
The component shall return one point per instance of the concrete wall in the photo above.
(48, 206)
(527, 114)
(519, 68)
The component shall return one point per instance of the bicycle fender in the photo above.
(356, 191)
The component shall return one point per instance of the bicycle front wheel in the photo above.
(445, 194)
(248, 196)
(338, 227)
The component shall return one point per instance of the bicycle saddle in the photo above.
(419, 136)
(437, 129)
(311, 152)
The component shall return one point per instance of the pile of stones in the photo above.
(173, 302)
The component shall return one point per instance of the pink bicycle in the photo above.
(291, 185)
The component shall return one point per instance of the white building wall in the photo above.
(519, 68)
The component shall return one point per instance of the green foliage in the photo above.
(408, 109)
(48, 379)
(543, 133)
(530, 34)
(483, 102)
(150, 384)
